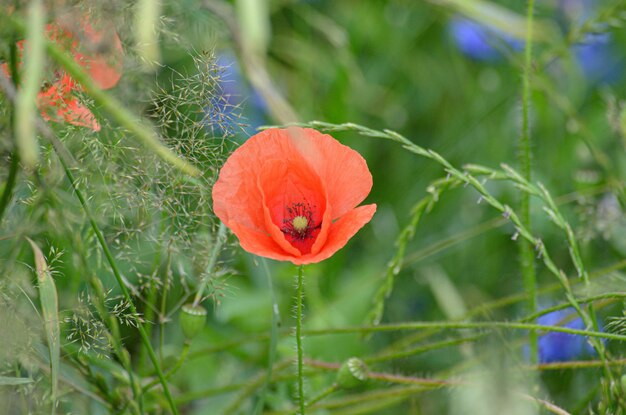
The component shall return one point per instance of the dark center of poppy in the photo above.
(298, 223)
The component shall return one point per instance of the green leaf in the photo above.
(50, 311)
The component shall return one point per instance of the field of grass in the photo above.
(490, 280)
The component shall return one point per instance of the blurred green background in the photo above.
(445, 74)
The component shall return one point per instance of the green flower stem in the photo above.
(163, 309)
(148, 317)
(230, 345)
(430, 383)
(152, 293)
(217, 246)
(396, 349)
(7, 192)
(247, 387)
(273, 339)
(115, 338)
(299, 296)
(421, 349)
(526, 250)
(120, 281)
(421, 325)
(251, 386)
(179, 363)
(323, 394)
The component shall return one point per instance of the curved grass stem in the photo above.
(469, 179)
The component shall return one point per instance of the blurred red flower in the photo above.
(292, 195)
(98, 51)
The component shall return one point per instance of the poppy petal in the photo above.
(343, 171)
(339, 234)
(258, 243)
(327, 221)
(274, 193)
(286, 185)
(99, 51)
(77, 114)
(57, 106)
(236, 196)
(104, 69)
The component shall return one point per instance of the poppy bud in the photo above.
(352, 373)
(192, 319)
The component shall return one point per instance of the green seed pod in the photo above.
(192, 319)
(352, 373)
(623, 384)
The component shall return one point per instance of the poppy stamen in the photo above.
(298, 222)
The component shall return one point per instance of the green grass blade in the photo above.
(8, 381)
(25, 106)
(146, 33)
(50, 311)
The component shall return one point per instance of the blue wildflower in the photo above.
(597, 59)
(230, 102)
(595, 53)
(480, 42)
(561, 347)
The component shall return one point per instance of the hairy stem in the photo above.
(299, 295)
(526, 250)
(421, 325)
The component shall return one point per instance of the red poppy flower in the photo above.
(56, 101)
(291, 195)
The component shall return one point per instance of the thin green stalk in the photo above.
(395, 265)
(179, 363)
(273, 339)
(7, 192)
(125, 292)
(421, 325)
(421, 349)
(152, 293)
(323, 394)
(299, 295)
(163, 310)
(115, 338)
(526, 250)
(217, 246)
(252, 386)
